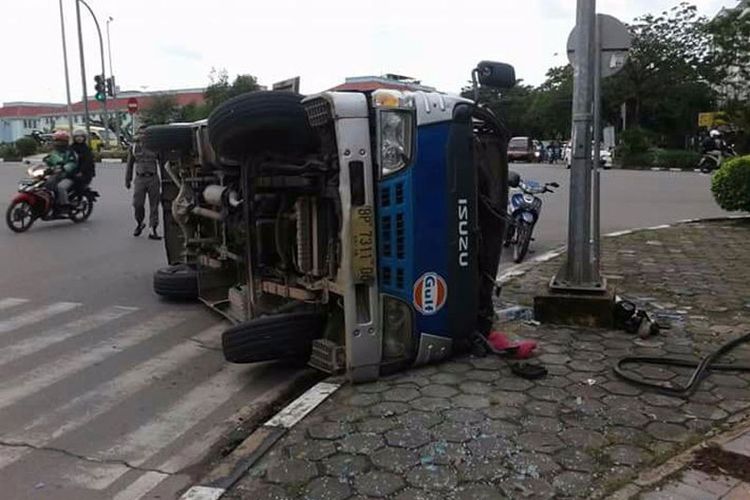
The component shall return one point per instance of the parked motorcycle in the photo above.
(524, 209)
(713, 160)
(36, 199)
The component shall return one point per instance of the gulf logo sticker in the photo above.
(430, 294)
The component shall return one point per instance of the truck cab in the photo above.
(357, 231)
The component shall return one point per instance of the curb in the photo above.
(519, 270)
(234, 466)
(656, 475)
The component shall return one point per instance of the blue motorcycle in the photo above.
(524, 209)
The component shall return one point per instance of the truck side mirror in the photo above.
(514, 180)
(496, 75)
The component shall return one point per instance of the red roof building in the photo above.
(18, 119)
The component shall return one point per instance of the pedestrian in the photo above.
(145, 165)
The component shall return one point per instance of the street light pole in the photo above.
(65, 63)
(83, 73)
(579, 272)
(112, 76)
(109, 49)
(597, 251)
(104, 69)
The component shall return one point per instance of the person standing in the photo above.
(145, 166)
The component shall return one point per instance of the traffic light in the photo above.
(111, 86)
(99, 86)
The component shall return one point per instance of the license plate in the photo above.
(363, 243)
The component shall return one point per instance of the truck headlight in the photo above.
(397, 329)
(395, 140)
(396, 125)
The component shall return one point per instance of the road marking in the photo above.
(14, 389)
(141, 486)
(11, 302)
(138, 446)
(51, 336)
(31, 317)
(300, 407)
(10, 454)
(149, 439)
(100, 399)
(203, 493)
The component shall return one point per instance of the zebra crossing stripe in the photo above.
(11, 302)
(35, 316)
(54, 335)
(104, 397)
(28, 383)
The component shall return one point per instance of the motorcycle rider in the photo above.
(65, 159)
(715, 150)
(146, 183)
(714, 144)
(86, 166)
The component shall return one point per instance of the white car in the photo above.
(605, 156)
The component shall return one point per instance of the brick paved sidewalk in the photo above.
(715, 471)
(469, 429)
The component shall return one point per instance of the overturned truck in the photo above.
(354, 231)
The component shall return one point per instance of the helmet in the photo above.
(79, 132)
(61, 136)
(714, 134)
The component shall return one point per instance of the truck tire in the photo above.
(282, 336)
(178, 282)
(260, 121)
(168, 138)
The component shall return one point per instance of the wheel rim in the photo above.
(82, 209)
(521, 243)
(21, 216)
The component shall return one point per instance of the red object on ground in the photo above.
(522, 349)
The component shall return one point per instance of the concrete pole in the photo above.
(65, 63)
(109, 52)
(103, 73)
(83, 73)
(114, 86)
(597, 145)
(578, 273)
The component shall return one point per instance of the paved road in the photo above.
(108, 392)
(105, 390)
(629, 199)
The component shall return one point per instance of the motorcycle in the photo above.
(524, 209)
(36, 199)
(713, 160)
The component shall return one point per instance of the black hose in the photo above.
(702, 367)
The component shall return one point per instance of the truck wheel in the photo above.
(166, 138)
(260, 121)
(177, 282)
(283, 336)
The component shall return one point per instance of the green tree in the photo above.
(161, 109)
(667, 80)
(730, 56)
(552, 104)
(219, 90)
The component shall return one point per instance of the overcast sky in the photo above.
(163, 44)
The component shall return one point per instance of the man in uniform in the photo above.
(146, 183)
